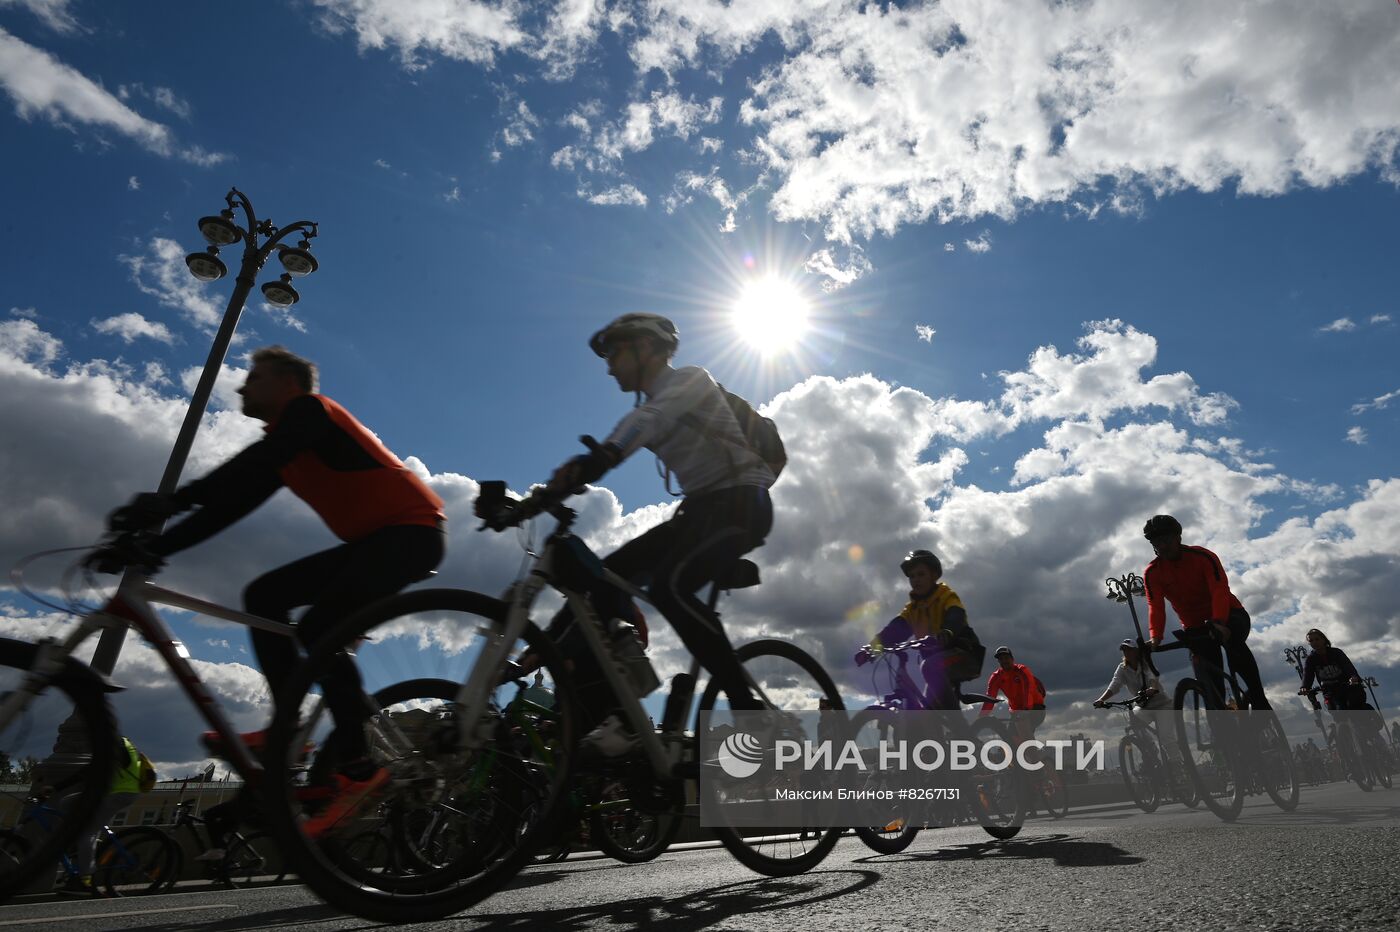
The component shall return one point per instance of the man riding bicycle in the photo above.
(1334, 672)
(1193, 580)
(684, 418)
(935, 611)
(391, 523)
(1132, 674)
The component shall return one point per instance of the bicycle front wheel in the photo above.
(629, 833)
(1204, 737)
(1274, 760)
(471, 789)
(785, 679)
(254, 859)
(896, 831)
(1349, 750)
(1136, 763)
(63, 741)
(136, 861)
(1054, 795)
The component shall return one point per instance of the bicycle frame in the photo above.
(132, 605)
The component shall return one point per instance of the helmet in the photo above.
(1161, 526)
(1003, 649)
(924, 557)
(631, 326)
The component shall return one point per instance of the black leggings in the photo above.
(672, 561)
(1242, 661)
(335, 583)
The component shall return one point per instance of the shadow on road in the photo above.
(699, 910)
(1064, 850)
(288, 918)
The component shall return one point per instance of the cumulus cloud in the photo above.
(132, 326)
(1378, 403)
(874, 469)
(924, 332)
(41, 85)
(133, 183)
(983, 243)
(623, 195)
(1340, 325)
(1380, 318)
(162, 97)
(161, 273)
(467, 30)
(949, 247)
(839, 266)
(1356, 435)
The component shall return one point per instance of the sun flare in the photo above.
(771, 315)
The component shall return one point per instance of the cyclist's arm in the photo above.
(1347, 666)
(653, 421)
(993, 687)
(1219, 589)
(896, 632)
(959, 631)
(1156, 609)
(243, 483)
(1309, 670)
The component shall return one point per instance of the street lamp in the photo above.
(1122, 590)
(260, 239)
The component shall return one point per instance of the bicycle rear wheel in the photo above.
(1137, 764)
(1275, 760)
(1378, 757)
(867, 729)
(999, 800)
(64, 740)
(1208, 756)
(478, 796)
(787, 679)
(629, 833)
(253, 859)
(1054, 795)
(1349, 750)
(135, 861)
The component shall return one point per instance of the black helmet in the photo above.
(631, 326)
(1161, 526)
(924, 557)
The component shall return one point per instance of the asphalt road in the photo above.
(1330, 865)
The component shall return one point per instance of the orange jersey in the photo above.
(1195, 585)
(1022, 689)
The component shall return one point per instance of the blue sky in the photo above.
(495, 180)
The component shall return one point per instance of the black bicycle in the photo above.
(1149, 772)
(1228, 754)
(1361, 749)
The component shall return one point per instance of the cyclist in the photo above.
(683, 417)
(1334, 672)
(125, 790)
(1193, 580)
(391, 523)
(1025, 693)
(933, 610)
(1133, 675)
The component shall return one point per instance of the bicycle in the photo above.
(986, 797)
(1361, 749)
(247, 859)
(45, 691)
(127, 861)
(515, 792)
(1046, 787)
(1227, 754)
(1149, 772)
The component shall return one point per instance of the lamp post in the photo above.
(260, 239)
(1370, 683)
(1122, 590)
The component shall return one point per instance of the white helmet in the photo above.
(630, 326)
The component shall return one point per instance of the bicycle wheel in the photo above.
(63, 741)
(786, 678)
(1378, 758)
(999, 800)
(1207, 754)
(14, 850)
(1137, 763)
(512, 764)
(1054, 795)
(629, 833)
(253, 859)
(1349, 750)
(134, 861)
(897, 831)
(1182, 786)
(1274, 760)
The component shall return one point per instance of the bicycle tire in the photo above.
(1378, 756)
(75, 700)
(251, 860)
(1225, 798)
(886, 839)
(999, 801)
(1054, 794)
(1135, 764)
(743, 850)
(14, 849)
(1274, 762)
(1349, 750)
(135, 861)
(656, 829)
(466, 880)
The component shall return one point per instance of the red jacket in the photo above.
(1195, 585)
(1023, 691)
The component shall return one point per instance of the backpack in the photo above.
(146, 772)
(760, 433)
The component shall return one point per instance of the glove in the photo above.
(862, 657)
(1098, 703)
(144, 511)
(116, 556)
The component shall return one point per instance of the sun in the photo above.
(771, 315)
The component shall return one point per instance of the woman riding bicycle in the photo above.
(1334, 672)
(933, 610)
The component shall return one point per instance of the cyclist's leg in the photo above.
(1242, 660)
(1210, 671)
(87, 844)
(377, 566)
(711, 532)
